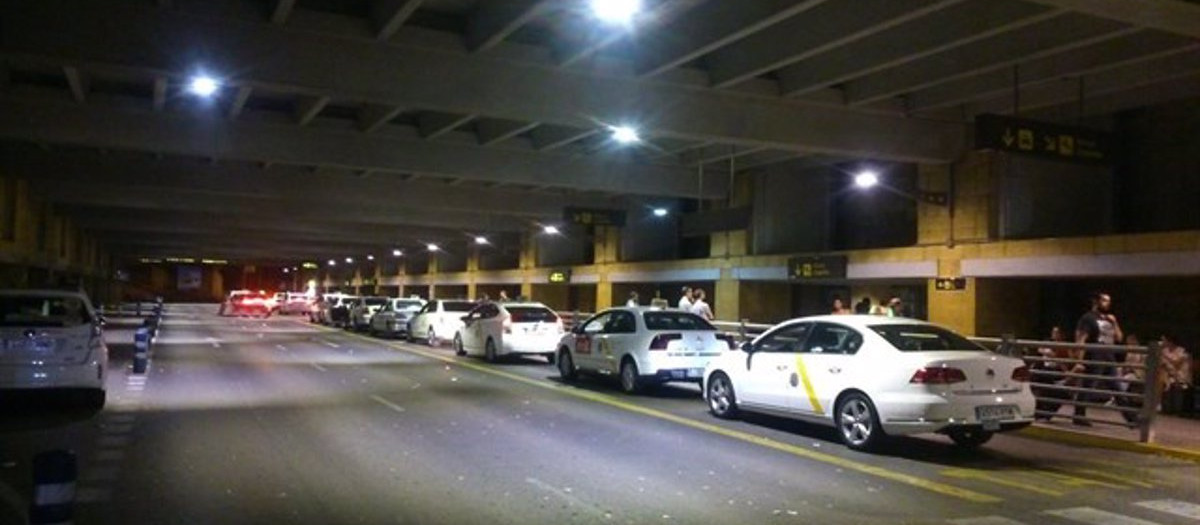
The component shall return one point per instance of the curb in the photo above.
(1091, 440)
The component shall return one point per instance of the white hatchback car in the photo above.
(437, 319)
(52, 340)
(363, 309)
(870, 377)
(644, 346)
(494, 330)
(392, 319)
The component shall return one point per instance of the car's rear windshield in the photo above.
(531, 314)
(408, 305)
(376, 301)
(42, 311)
(458, 306)
(923, 338)
(675, 321)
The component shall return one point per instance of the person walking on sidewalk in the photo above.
(1096, 326)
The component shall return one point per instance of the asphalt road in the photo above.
(278, 421)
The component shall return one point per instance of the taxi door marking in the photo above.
(808, 387)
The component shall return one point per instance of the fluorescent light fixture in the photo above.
(349, 260)
(481, 240)
(370, 257)
(397, 253)
(660, 212)
(616, 11)
(332, 262)
(625, 135)
(550, 229)
(287, 270)
(203, 85)
(866, 179)
(432, 247)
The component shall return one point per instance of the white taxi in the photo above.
(494, 330)
(870, 377)
(439, 318)
(52, 340)
(644, 346)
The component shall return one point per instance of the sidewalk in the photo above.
(1174, 436)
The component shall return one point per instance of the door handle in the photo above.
(835, 370)
(781, 367)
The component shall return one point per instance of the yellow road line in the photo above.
(1115, 477)
(848, 464)
(808, 388)
(983, 475)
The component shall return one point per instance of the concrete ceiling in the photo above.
(366, 124)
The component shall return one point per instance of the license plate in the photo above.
(15, 344)
(991, 413)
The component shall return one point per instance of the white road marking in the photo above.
(331, 345)
(1097, 517)
(281, 347)
(571, 499)
(1173, 506)
(388, 404)
(318, 367)
(986, 520)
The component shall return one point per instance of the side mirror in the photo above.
(466, 319)
(747, 347)
(577, 329)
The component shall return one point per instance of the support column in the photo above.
(472, 270)
(726, 301)
(527, 262)
(606, 245)
(604, 293)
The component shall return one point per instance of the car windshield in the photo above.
(408, 306)
(43, 311)
(675, 321)
(531, 314)
(923, 338)
(458, 306)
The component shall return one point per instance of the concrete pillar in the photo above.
(607, 245)
(604, 293)
(528, 261)
(971, 211)
(472, 271)
(216, 283)
(726, 300)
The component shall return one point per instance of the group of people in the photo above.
(894, 307)
(1108, 370)
(691, 300)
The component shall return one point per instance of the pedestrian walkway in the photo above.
(1139, 513)
(1173, 435)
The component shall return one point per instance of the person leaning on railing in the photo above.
(1047, 370)
(1175, 376)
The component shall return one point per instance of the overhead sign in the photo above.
(950, 284)
(594, 216)
(817, 267)
(560, 276)
(1043, 139)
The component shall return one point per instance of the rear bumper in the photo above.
(541, 345)
(921, 413)
(22, 377)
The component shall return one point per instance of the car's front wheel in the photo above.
(722, 402)
(458, 345)
(630, 380)
(969, 437)
(489, 351)
(431, 337)
(857, 422)
(566, 366)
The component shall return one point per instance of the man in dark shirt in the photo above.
(1097, 326)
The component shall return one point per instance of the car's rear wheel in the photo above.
(431, 337)
(566, 366)
(458, 346)
(630, 381)
(489, 351)
(93, 399)
(722, 401)
(857, 422)
(969, 437)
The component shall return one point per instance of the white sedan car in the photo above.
(643, 346)
(392, 319)
(363, 309)
(437, 319)
(52, 340)
(870, 377)
(494, 330)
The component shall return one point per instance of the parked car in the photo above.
(871, 377)
(52, 340)
(362, 310)
(339, 310)
(642, 346)
(246, 302)
(494, 330)
(318, 312)
(392, 319)
(297, 303)
(438, 318)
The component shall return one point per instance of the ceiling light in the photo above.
(204, 86)
(332, 262)
(349, 260)
(660, 212)
(432, 247)
(397, 253)
(481, 240)
(866, 179)
(370, 257)
(550, 229)
(625, 134)
(616, 11)
(287, 270)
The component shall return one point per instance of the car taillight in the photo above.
(728, 340)
(507, 324)
(1021, 374)
(660, 341)
(938, 375)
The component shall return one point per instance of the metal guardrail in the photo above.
(1091, 376)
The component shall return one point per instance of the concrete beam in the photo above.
(433, 125)
(368, 72)
(1172, 16)
(372, 117)
(494, 21)
(546, 138)
(491, 131)
(307, 108)
(77, 83)
(714, 25)
(389, 15)
(942, 30)
(160, 93)
(283, 9)
(716, 153)
(239, 101)
(1056, 35)
(825, 27)
(287, 144)
(1183, 87)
